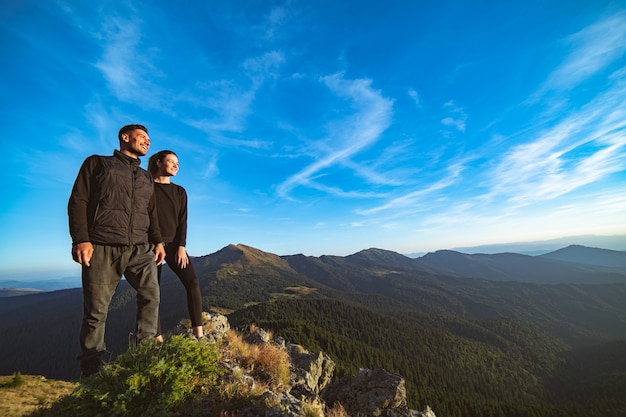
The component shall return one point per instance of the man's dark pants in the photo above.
(100, 280)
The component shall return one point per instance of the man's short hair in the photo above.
(130, 128)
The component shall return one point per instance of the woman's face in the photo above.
(168, 167)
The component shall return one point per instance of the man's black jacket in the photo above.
(112, 203)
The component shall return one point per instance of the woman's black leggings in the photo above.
(192, 286)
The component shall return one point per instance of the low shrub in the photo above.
(152, 379)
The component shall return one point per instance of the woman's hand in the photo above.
(182, 260)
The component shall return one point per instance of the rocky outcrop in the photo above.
(368, 393)
(312, 372)
(311, 391)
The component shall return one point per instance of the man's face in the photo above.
(135, 143)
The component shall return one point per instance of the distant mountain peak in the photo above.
(241, 256)
(382, 257)
(443, 254)
(589, 256)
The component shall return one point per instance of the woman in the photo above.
(171, 201)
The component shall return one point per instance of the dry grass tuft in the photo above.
(239, 349)
(267, 363)
(312, 408)
(337, 410)
(276, 363)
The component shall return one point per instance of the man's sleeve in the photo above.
(78, 205)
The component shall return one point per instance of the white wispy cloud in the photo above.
(351, 135)
(593, 49)
(583, 148)
(459, 124)
(264, 66)
(229, 106)
(125, 66)
(456, 118)
(571, 147)
(414, 198)
(374, 176)
(211, 168)
(338, 192)
(414, 96)
(274, 21)
(135, 71)
(230, 102)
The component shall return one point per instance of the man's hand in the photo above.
(182, 260)
(82, 253)
(159, 253)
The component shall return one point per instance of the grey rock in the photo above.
(312, 371)
(369, 393)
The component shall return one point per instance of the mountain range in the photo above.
(11, 287)
(531, 310)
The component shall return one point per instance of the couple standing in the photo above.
(124, 220)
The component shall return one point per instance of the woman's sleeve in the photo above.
(181, 229)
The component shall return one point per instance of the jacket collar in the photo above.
(134, 162)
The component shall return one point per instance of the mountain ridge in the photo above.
(602, 257)
(589, 256)
(386, 282)
(545, 269)
(540, 247)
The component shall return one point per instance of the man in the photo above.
(114, 229)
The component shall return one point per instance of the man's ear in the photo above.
(125, 137)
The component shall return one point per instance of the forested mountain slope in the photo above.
(461, 367)
(431, 325)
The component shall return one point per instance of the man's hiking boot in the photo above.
(133, 340)
(90, 366)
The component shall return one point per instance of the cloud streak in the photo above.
(557, 157)
(586, 147)
(593, 49)
(126, 68)
(351, 135)
(413, 198)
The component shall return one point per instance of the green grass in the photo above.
(24, 394)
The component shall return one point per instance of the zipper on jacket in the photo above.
(132, 206)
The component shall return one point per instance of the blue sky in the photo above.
(322, 127)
